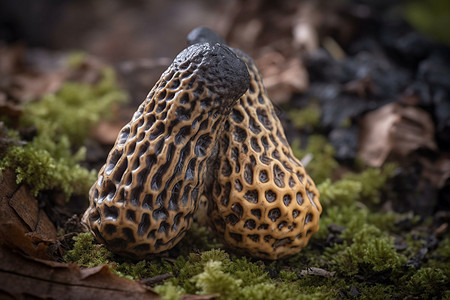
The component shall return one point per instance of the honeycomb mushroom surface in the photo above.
(147, 192)
(261, 201)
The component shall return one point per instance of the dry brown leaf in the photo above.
(13, 236)
(106, 132)
(394, 129)
(25, 277)
(20, 82)
(27, 87)
(25, 271)
(282, 77)
(19, 207)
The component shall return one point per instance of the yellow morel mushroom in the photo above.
(260, 200)
(148, 190)
(207, 129)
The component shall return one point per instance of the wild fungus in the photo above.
(147, 191)
(198, 135)
(261, 201)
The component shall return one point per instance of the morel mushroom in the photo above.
(260, 200)
(147, 192)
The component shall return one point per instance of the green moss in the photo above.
(323, 163)
(214, 281)
(375, 291)
(238, 282)
(306, 118)
(247, 271)
(428, 283)
(86, 253)
(194, 265)
(76, 59)
(74, 109)
(287, 276)
(368, 254)
(51, 161)
(41, 169)
(343, 202)
(270, 291)
(143, 269)
(364, 187)
(366, 251)
(372, 181)
(444, 249)
(370, 251)
(169, 291)
(232, 277)
(340, 193)
(440, 259)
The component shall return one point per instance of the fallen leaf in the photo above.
(13, 236)
(26, 277)
(106, 132)
(394, 130)
(19, 207)
(25, 271)
(282, 77)
(33, 85)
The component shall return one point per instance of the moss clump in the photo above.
(340, 193)
(86, 253)
(37, 165)
(369, 252)
(215, 272)
(343, 202)
(428, 283)
(372, 181)
(169, 291)
(214, 281)
(63, 121)
(194, 265)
